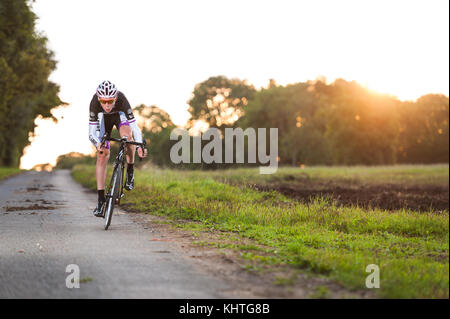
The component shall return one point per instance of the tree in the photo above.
(296, 111)
(219, 101)
(25, 65)
(156, 126)
(423, 130)
(362, 126)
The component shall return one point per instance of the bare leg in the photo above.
(131, 149)
(100, 170)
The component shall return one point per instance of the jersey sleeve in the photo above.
(126, 109)
(136, 131)
(93, 110)
(93, 121)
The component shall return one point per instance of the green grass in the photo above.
(321, 293)
(8, 171)
(410, 248)
(398, 174)
(85, 280)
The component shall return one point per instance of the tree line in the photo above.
(340, 123)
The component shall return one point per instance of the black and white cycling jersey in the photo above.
(101, 122)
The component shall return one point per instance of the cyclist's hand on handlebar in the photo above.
(101, 147)
(142, 152)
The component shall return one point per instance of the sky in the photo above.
(157, 51)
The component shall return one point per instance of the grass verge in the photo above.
(411, 249)
(436, 174)
(8, 171)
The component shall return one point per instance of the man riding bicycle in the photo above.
(110, 107)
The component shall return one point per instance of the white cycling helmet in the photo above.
(106, 90)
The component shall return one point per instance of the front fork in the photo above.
(108, 195)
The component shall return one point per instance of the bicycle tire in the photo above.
(114, 193)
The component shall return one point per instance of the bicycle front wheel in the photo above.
(113, 193)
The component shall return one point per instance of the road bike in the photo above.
(115, 188)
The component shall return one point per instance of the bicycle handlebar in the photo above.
(126, 141)
(105, 138)
(120, 140)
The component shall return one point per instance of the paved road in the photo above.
(37, 243)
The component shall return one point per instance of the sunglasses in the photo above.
(107, 101)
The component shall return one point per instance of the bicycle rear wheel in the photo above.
(113, 194)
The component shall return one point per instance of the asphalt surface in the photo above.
(46, 224)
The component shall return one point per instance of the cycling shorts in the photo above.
(108, 121)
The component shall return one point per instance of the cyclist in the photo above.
(110, 107)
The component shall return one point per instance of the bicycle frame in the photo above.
(119, 160)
